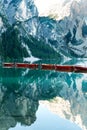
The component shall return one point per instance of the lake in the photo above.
(42, 100)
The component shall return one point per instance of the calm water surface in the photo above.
(42, 100)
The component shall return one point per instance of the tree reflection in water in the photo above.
(21, 90)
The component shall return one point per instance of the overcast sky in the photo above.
(44, 5)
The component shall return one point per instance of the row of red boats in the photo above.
(62, 68)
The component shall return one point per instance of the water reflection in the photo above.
(21, 90)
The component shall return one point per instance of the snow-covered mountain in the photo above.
(27, 33)
(20, 18)
(19, 10)
(68, 33)
(62, 28)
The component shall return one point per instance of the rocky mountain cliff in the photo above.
(19, 24)
(66, 36)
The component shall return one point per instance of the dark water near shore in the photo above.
(42, 100)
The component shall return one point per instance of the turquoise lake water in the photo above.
(42, 100)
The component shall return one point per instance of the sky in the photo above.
(48, 121)
(44, 5)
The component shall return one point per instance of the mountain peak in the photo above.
(18, 10)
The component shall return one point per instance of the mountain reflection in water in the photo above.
(22, 90)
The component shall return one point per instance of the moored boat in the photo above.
(61, 68)
(8, 65)
(26, 65)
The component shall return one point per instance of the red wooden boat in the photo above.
(76, 69)
(26, 65)
(80, 69)
(48, 67)
(62, 68)
(8, 65)
(20, 65)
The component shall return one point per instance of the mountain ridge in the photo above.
(66, 36)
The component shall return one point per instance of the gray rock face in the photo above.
(68, 35)
(20, 11)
